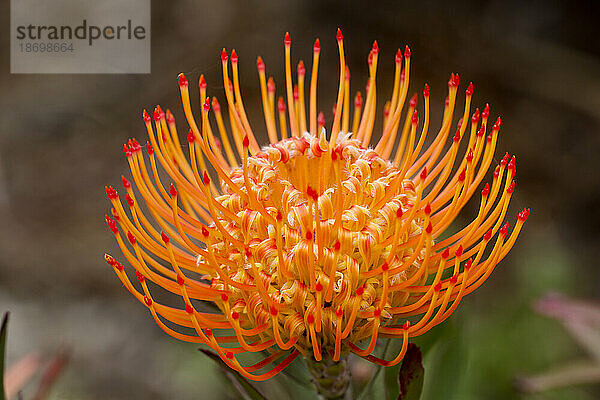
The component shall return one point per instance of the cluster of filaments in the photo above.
(313, 244)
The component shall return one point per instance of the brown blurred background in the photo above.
(536, 63)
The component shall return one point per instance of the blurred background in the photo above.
(61, 136)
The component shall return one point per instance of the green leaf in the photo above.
(245, 388)
(446, 362)
(411, 374)
(3, 330)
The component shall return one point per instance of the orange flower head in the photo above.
(316, 244)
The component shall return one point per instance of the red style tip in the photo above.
(504, 160)
(139, 276)
(358, 100)
(461, 177)
(109, 259)
(486, 190)
(215, 104)
(470, 156)
(337, 246)
(170, 118)
(511, 188)
(429, 229)
(183, 82)
(189, 309)
(248, 252)
(402, 75)
(454, 279)
(413, 101)
(486, 112)
(445, 253)
(287, 40)
(385, 267)
(339, 35)
(111, 192)
(511, 164)
(523, 215)
(469, 90)
(146, 116)
(504, 229)
(135, 146)
(339, 312)
(112, 225)
(497, 124)
(459, 251)
(224, 297)
(457, 135)
(157, 115)
(208, 332)
(246, 142)
(360, 291)
(235, 315)
(406, 52)
(131, 238)
(377, 313)
(234, 57)
(438, 287)
(201, 84)
(279, 217)
(164, 237)
(172, 190)
(321, 119)
(309, 235)
(406, 325)
(224, 57)
(280, 104)
(149, 148)
(415, 118)
(205, 232)
(318, 287)
(301, 69)
(475, 117)
(399, 212)
(274, 311)
(229, 355)
(207, 104)
(310, 319)
(468, 264)
(370, 61)
(456, 80)
(191, 136)
(129, 200)
(375, 49)
(427, 209)
(424, 174)
(260, 65)
(481, 131)
(426, 91)
(148, 301)
(205, 178)
(317, 46)
(126, 183)
(447, 101)
(296, 93)
(488, 235)
(398, 56)
(180, 280)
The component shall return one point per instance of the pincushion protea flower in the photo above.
(316, 244)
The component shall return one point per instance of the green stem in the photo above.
(331, 378)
